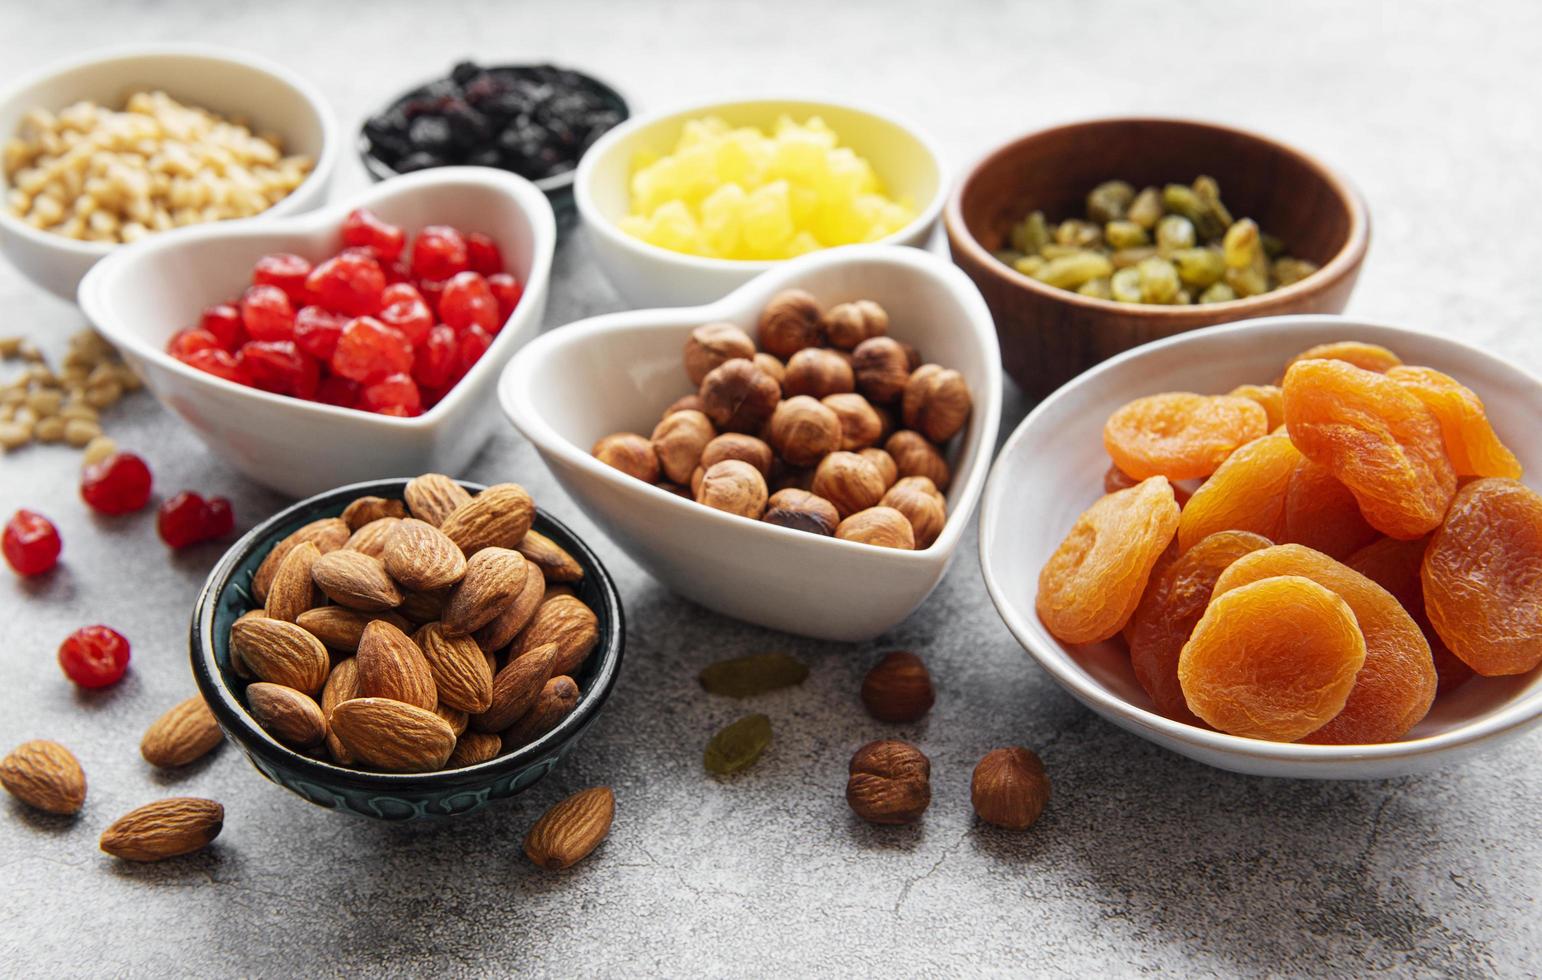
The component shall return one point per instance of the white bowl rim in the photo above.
(1521, 713)
(603, 226)
(515, 391)
(321, 172)
(530, 200)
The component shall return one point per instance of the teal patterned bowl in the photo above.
(388, 796)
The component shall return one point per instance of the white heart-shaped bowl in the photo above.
(139, 296)
(615, 373)
(647, 275)
(1051, 469)
(269, 97)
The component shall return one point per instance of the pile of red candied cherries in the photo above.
(377, 327)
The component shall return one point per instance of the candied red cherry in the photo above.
(219, 518)
(410, 316)
(30, 542)
(431, 290)
(394, 394)
(185, 342)
(438, 253)
(482, 254)
(316, 331)
(180, 520)
(369, 350)
(267, 313)
(350, 283)
(224, 322)
(287, 272)
(279, 366)
(507, 291)
(437, 357)
(335, 390)
(399, 292)
(219, 362)
(473, 343)
(94, 656)
(118, 484)
(468, 300)
(364, 229)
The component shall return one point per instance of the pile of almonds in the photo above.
(435, 634)
(831, 426)
(39, 404)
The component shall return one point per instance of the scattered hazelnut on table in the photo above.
(881, 526)
(817, 371)
(733, 486)
(804, 431)
(890, 782)
(712, 344)
(898, 688)
(882, 368)
(792, 321)
(678, 441)
(802, 511)
(848, 324)
(915, 456)
(861, 425)
(1010, 788)
(630, 453)
(849, 482)
(936, 402)
(738, 396)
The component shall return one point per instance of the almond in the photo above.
(371, 538)
(45, 775)
(558, 698)
(454, 717)
(286, 714)
(342, 685)
(392, 666)
(236, 664)
(424, 607)
(421, 557)
(555, 563)
(393, 736)
(498, 517)
(164, 829)
(501, 631)
(472, 748)
(339, 628)
(366, 510)
(459, 667)
(433, 496)
(567, 832)
(292, 592)
(355, 580)
(280, 652)
(328, 534)
(516, 688)
(185, 733)
(494, 579)
(567, 622)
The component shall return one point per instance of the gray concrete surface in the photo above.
(1144, 862)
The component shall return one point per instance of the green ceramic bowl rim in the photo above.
(241, 727)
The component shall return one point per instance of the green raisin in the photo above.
(743, 677)
(1007, 255)
(1209, 194)
(1124, 234)
(1073, 270)
(1077, 232)
(1218, 293)
(1055, 250)
(1125, 285)
(1158, 281)
(1097, 288)
(1109, 200)
(1241, 245)
(1252, 280)
(1199, 266)
(1174, 232)
(1029, 265)
(1287, 270)
(1030, 234)
(1126, 257)
(1273, 246)
(1183, 201)
(1146, 209)
(736, 747)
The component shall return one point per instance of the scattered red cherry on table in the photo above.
(30, 542)
(188, 519)
(119, 484)
(94, 656)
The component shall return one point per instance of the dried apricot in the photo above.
(1246, 494)
(1367, 357)
(1471, 442)
(1181, 435)
(1322, 514)
(1376, 438)
(1274, 659)
(1394, 565)
(1115, 479)
(1269, 396)
(1396, 684)
(1483, 577)
(1174, 601)
(1092, 583)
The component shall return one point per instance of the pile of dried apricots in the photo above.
(1361, 541)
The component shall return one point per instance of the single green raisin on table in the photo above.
(737, 746)
(745, 677)
(1168, 246)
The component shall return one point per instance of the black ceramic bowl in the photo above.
(388, 796)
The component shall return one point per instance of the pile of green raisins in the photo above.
(1172, 247)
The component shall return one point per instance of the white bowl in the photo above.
(1051, 469)
(647, 275)
(616, 373)
(268, 97)
(139, 296)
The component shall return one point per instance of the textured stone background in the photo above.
(1144, 862)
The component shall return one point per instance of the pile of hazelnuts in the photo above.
(830, 427)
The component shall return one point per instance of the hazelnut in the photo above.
(925, 485)
(675, 489)
(630, 453)
(802, 511)
(679, 440)
(792, 321)
(738, 396)
(923, 510)
(685, 403)
(914, 456)
(884, 527)
(912, 356)
(733, 486)
(1009, 788)
(710, 345)
(771, 366)
(898, 688)
(695, 485)
(848, 324)
(818, 372)
(804, 431)
(860, 423)
(849, 482)
(882, 368)
(890, 782)
(936, 402)
(737, 445)
(884, 462)
(792, 477)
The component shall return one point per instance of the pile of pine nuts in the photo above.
(39, 404)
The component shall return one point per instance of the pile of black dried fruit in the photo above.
(534, 120)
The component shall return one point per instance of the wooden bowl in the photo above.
(1050, 335)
